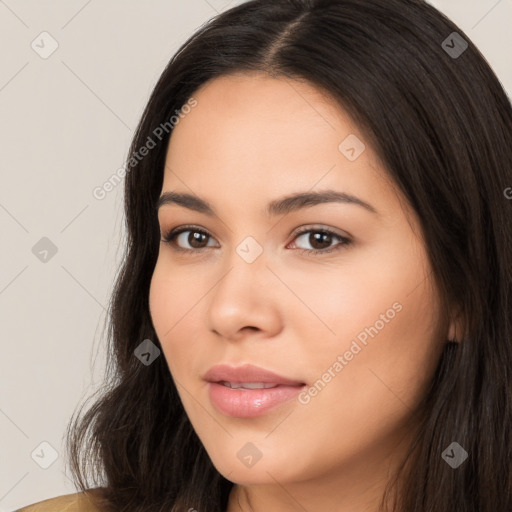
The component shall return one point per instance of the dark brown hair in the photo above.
(440, 121)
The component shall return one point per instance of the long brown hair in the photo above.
(437, 116)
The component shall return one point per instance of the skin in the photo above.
(251, 139)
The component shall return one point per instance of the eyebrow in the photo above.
(280, 206)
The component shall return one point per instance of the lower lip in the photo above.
(249, 403)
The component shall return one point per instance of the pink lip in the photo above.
(248, 403)
(247, 373)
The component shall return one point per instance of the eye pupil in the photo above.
(320, 237)
(195, 237)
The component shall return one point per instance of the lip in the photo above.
(249, 403)
(247, 373)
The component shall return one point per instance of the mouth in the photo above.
(248, 400)
(249, 391)
(248, 385)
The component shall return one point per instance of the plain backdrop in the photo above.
(66, 121)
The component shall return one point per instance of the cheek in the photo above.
(174, 300)
(381, 345)
(172, 293)
(161, 299)
(174, 297)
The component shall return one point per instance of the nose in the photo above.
(245, 300)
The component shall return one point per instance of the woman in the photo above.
(314, 311)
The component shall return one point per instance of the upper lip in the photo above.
(247, 373)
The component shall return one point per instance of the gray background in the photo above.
(66, 124)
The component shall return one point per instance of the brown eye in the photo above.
(194, 237)
(321, 240)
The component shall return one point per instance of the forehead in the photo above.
(259, 136)
(254, 107)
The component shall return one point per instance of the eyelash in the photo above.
(171, 235)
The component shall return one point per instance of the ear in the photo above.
(455, 330)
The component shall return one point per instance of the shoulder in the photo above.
(77, 502)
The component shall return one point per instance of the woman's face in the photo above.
(360, 327)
